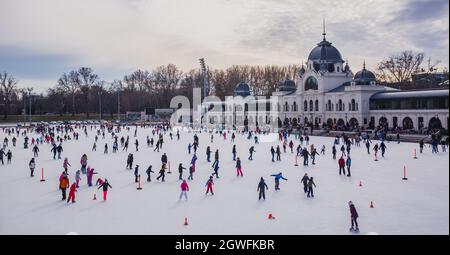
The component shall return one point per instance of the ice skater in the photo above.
(239, 167)
(277, 180)
(305, 180)
(105, 185)
(136, 174)
(180, 170)
(72, 190)
(209, 185)
(184, 190)
(341, 163)
(148, 172)
(353, 217)
(262, 187)
(310, 187)
(162, 173)
(32, 166)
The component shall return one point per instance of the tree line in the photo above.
(83, 91)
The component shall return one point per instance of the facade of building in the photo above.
(326, 93)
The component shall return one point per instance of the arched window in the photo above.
(408, 123)
(305, 106)
(353, 108)
(286, 106)
(329, 105)
(316, 104)
(311, 83)
(294, 106)
(311, 106)
(338, 69)
(340, 105)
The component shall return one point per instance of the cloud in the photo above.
(41, 39)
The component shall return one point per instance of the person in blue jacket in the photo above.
(277, 180)
(348, 163)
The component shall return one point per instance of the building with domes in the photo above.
(327, 94)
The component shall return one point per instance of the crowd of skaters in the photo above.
(57, 135)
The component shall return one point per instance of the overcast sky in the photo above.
(41, 39)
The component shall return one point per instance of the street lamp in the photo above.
(100, 104)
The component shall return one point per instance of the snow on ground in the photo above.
(419, 205)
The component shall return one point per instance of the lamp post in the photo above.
(119, 88)
(100, 104)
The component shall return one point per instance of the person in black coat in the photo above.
(148, 172)
(162, 173)
(105, 186)
(278, 151)
(130, 161)
(208, 154)
(136, 173)
(164, 158)
(251, 150)
(272, 152)
(305, 180)
(233, 151)
(310, 187)
(180, 170)
(262, 187)
(353, 216)
(333, 151)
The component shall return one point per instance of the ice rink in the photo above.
(419, 205)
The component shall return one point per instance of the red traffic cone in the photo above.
(271, 217)
(360, 183)
(371, 204)
(168, 163)
(186, 221)
(95, 197)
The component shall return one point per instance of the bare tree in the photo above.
(69, 83)
(400, 68)
(8, 88)
(87, 79)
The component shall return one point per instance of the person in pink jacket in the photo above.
(66, 164)
(89, 174)
(184, 190)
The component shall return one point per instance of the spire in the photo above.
(324, 32)
(364, 64)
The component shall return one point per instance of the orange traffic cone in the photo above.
(404, 174)
(360, 183)
(371, 204)
(95, 197)
(42, 175)
(186, 221)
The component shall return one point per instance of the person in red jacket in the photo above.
(209, 184)
(341, 163)
(73, 189)
(184, 190)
